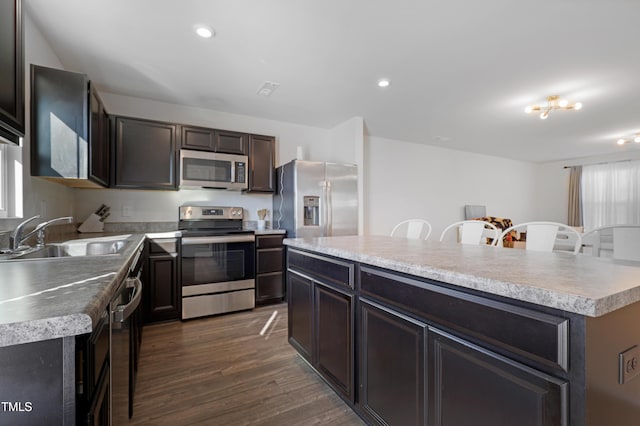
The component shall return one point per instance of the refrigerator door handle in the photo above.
(324, 216)
(329, 211)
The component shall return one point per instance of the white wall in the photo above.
(407, 180)
(347, 140)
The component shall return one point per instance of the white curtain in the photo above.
(611, 194)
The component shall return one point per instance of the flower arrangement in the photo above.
(262, 214)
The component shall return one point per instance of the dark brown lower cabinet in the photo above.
(162, 295)
(269, 269)
(334, 338)
(300, 291)
(428, 354)
(493, 390)
(392, 366)
(34, 389)
(321, 326)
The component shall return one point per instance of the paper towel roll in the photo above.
(299, 153)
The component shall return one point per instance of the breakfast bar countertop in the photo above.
(580, 284)
(44, 299)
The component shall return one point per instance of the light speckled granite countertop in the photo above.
(581, 284)
(52, 298)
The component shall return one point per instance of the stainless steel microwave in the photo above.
(202, 169)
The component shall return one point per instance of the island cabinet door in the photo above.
(392, 367)
(469, 385)
(334, 338)
(300, 304)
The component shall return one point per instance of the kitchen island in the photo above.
(45, 304)
(414, 332)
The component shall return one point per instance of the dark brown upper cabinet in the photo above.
(100, 152)
(205, 139)
(11, 71)
(261, 163)
(69, 129)
(145, 154)
(231, 142)
(198, 138)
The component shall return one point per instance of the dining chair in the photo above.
(622, 240)
(473, 232)
(545, 236)
(412, 228)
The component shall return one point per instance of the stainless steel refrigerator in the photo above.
(316, 199)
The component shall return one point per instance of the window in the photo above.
(3, 181)
(10, 181)
(611, 194)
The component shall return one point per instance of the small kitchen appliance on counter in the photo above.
(217, 261)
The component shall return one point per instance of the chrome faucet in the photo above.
(16, 239)
(40, 235)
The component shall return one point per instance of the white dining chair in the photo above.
(412, 228)
(545, 236)
(472, 231)
(622, 241)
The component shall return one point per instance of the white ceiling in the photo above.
(462, 71)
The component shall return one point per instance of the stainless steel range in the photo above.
(217, 261)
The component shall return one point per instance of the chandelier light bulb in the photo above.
(621, 141)
(562, 103)
(528, 109)
(636, 139)
(578, 105)
(544, 115)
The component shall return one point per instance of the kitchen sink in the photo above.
(88, 247)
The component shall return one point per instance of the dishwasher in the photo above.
(125, 340)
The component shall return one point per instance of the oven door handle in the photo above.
(189, 241)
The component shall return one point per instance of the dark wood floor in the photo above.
(221, 371)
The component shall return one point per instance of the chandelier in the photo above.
(635, 138)
(553, 102)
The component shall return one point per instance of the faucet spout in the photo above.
(39, 230)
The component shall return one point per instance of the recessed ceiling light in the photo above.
(204, 31)
(384, 82)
